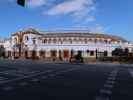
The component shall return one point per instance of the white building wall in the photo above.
(66, 45)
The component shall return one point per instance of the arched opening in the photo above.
(42, 54)
(34, 54)
(60, 55)
(26, 54)
(66, 53)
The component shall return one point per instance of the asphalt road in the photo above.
(33, 80)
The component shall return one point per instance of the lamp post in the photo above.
(96, 54)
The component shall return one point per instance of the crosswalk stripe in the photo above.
(35, 80)
(8, 88)
(108, 86)
(111, 78)
(131, 72)
(23, 83)
(102, 98)
(105, 91)
(110, 82)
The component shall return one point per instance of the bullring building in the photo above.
(61, 45)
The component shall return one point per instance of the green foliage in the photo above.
(122, 55)
(120, 52)
(79, 57)
(2, 51)
(126, 52)
(117, 52)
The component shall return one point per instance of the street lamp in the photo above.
(96, 54)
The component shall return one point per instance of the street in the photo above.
(33, 80)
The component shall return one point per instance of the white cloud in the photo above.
(36, 3)
(76, 8)
(97, 28)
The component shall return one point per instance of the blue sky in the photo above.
(105, 16)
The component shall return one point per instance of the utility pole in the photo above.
(96, 54)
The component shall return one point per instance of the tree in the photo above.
(117, 52)
(2, 51)
(126, 52)
(79, 57)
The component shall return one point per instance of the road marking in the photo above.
(111, 79)
(3, 78)
(35, 80)
(102, 98)
(131, 72)
(105, 91)
(113, 74)
(18, 73)
(23, 83)
(49, 71)
(44, 77)
(35, 74)
(108, 86)
(21, 78)
(52, 75)
(110, 82)
(8, 88)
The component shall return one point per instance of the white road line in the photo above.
(21, 78)
(23, 83)
(110, 82)
(36, 74)
(112, 75)
(35, 80)
(18, 73)
(105, 91)
(102, 98)
(52, 75)
(3, 78)
(108, 86)
(8, 88)
(61, 72)
(44, 77)
(131, 72)
(111, 79)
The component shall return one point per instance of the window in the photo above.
(49, 41)
(45, 41)
(26, 38)
(70, 40)
(15, 40)
(34, 41)
(87, 51)
(53, 53)
(42, 53)
(85, 40)
(132, 50)
(105, 53)
(60, 41)
(109, 42)
(106, 41)
(95, 40)
(91, 53)
(54, 40)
